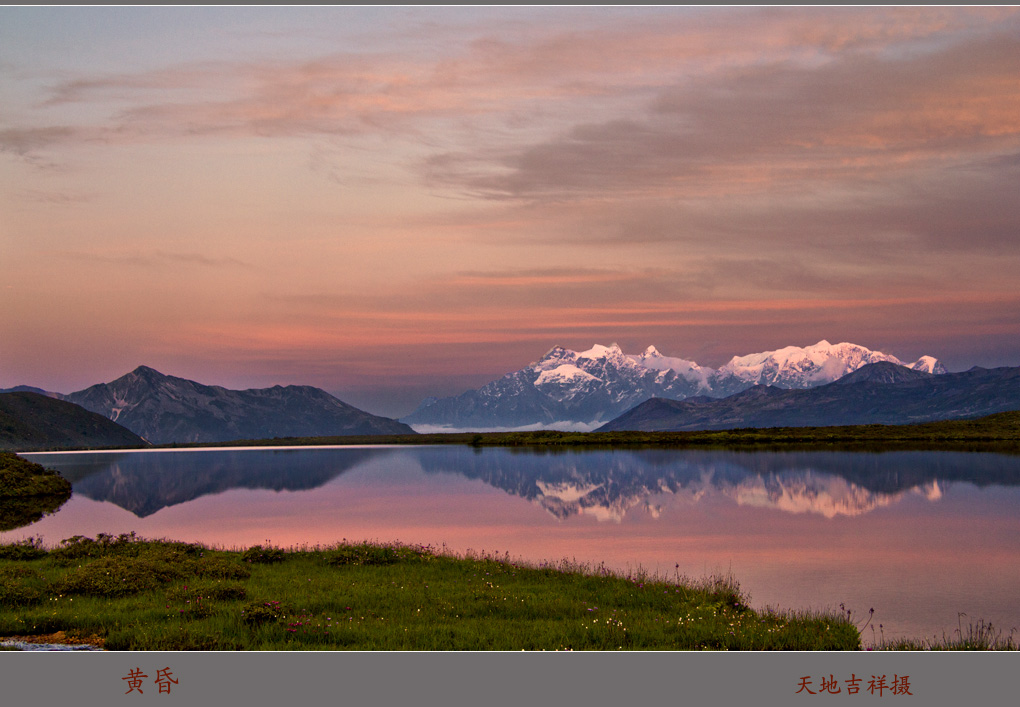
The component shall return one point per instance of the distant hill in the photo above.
(879, 393)
(33, 421)
(166, 409)
(32, 389)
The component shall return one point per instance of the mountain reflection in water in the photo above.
(604, 484)
(920, 536)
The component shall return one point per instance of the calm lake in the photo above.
(922, 537)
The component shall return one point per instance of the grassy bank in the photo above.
(28, 491)
(980, 636)
(132, 594)
(20, 478)
(999, 432)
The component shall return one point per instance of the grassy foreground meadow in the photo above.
(126, 593)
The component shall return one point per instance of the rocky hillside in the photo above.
(32, 421)
(166, 409)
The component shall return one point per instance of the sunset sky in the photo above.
(396, 202)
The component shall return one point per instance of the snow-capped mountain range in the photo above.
(580, 390)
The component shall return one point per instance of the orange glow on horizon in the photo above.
(349, 190)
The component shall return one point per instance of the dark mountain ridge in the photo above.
(33, 421)
(166, 409)
(879, 393)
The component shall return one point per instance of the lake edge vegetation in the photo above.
(28, 491)
(997, 432)
(20, 478)
(127, 593)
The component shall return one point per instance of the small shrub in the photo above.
(20, 586)
(362, 555)
(161, 548)
(726, 591)
(203, 592)
(257, 613)
(221, 568)
(263, 555)
(28, 549)
(371, 554)
(227, 592)
(126, 545)
(117, 576)
(79, 547)
(20, 477)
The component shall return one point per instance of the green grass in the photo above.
(20, 478)
(28, 491)
(980, 636)
(161, 595)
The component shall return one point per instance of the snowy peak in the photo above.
(795, 358)
(805, 367)
(655, 361)
(554, 358)
(567, 387)
(928, 364)
(562, 375)
(597, 352)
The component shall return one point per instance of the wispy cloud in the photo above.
(482, 185)
(156, 259)
(854, 118)
(733, 100)
(54, 198)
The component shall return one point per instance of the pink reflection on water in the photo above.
(916, 559)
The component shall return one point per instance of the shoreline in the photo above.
(997, 432)
(391, 597)
(136, 594)
(57, 642)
